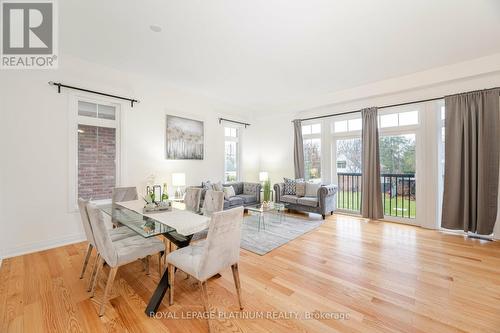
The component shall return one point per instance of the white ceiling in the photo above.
(263, 53)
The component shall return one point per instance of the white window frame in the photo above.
(236, 139)
(315, 136)
(419, 156)
(73, 121)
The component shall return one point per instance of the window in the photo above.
(96, 150)
(398, 119)
(349, 125)
(311, 135)
(231, 154)
(398, 155)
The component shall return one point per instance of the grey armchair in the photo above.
(325, 202)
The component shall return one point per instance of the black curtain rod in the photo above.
(233, 121)
(386, 106)
(60, 85)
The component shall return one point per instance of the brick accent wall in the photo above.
(96, 161)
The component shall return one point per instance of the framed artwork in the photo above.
(184, 139)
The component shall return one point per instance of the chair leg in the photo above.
(86, 261)
(171, 281)
(94, 267)
(147, 264)
(107, 290)
(204, 297)
(96, 277)
(160, 259)
(236, 277)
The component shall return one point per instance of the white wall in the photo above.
(34, 146)
(276, 139)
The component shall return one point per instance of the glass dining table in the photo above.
(167, 224)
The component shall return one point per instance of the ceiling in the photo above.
(260, 54)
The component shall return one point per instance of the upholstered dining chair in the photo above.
(192, 199)
(214, 202)
(192, 204)
(115, 234)
(206, 258)
(120, 194)
(118, 253)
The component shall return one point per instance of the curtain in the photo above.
(472, 138)
(298, 149)
(371, 196)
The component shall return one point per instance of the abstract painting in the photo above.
(184, 139)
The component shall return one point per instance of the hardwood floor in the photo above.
(386, 277)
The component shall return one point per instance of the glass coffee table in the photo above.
(262, 209)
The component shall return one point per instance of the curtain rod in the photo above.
(387, 106)
(60, 85)
(233, 121)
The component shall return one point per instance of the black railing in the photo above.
(398, 193)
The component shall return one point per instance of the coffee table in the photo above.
(261, 210)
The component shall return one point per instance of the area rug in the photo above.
(276, 233)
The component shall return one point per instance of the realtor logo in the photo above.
(28, 34)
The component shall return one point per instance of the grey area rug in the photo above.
(276, 234)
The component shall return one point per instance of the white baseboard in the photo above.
(40, 246)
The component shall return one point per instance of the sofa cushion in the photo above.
(308, 201)
(312, 189)
(289, 198)
(247, 198)
(235, 201)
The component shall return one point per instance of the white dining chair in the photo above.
(192, 204)
(204, 259)
(120, 194)
(118, 253)
(214, 202)
(115, 234)
(192, 199)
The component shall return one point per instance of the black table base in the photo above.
(155, 301)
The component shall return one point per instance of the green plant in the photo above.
(267, 190)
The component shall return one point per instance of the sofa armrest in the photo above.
(279, 189)
(327, 197)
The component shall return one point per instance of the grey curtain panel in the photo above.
(371, 196)
(298, 149)
(471, 161)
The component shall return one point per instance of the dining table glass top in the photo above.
(141, 224)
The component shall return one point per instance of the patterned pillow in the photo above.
(290, 186)
(207, 185)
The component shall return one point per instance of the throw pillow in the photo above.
(217, 186)
(312, 189)
(300, 188)
(228, 192)
(206, 185)
(290, 185)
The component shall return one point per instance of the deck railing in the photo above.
(398, 193)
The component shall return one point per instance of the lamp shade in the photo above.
(263, 176)
(179, 179)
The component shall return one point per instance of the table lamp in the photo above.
(178, 180)
(263, 176)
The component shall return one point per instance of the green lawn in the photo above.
(349, 200)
